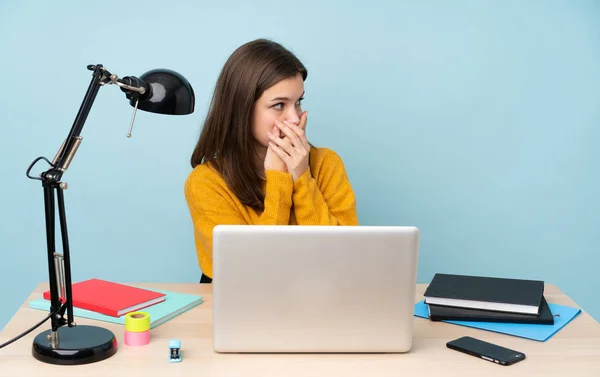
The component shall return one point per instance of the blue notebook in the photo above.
(562, 316)
(175, 303)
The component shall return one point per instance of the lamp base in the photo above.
(76, 345)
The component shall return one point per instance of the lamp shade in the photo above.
(170, 93)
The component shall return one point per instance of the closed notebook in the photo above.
(562, 316)
(113, 299)
(440, 313)
(175, 303)
(486, 293)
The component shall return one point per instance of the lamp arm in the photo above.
(122, 83)
(130, 85)
(67, 150)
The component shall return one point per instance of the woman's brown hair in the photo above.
(226, 140)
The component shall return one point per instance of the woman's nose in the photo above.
(292, 116)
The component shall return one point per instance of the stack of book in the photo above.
(109, 298)
(109, 302)
(487, 299)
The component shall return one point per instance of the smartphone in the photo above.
(487, 351)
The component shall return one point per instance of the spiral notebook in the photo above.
(175, 303)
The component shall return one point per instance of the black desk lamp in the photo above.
(158, 91)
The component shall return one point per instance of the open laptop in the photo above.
(314, 288)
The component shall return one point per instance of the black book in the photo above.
(486, 293)
(449, 313)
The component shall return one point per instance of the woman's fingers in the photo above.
(291, 135)
(283, 143)
(299, 131)
(303, 120)
(280, 152)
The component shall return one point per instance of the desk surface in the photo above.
(575, 350)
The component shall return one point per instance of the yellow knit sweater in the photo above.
(321, 196)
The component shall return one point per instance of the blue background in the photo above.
(477, 121)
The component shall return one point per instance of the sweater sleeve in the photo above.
(327, 200)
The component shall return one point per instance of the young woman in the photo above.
(252, 163)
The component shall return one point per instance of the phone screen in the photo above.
(487, 351)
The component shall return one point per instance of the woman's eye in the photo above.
(281, 105)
